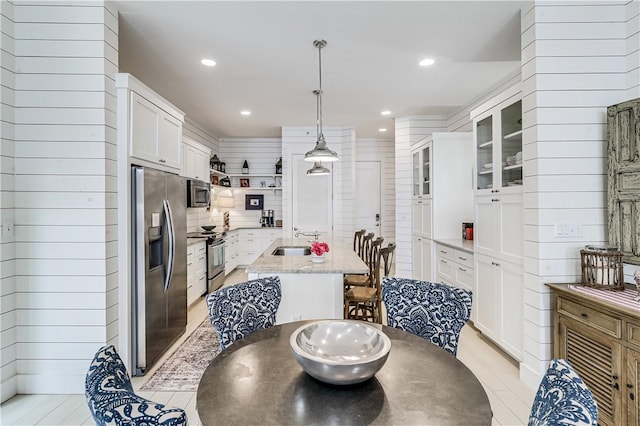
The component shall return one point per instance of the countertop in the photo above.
(341, 259)
(192, 241)
(458, 243)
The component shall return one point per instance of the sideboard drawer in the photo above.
(591, 317)
(633, 333)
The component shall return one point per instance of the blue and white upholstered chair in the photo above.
(244, 308)
(111, 398)
(563, 398)
(436, 312)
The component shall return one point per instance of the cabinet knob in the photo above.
(615, 386)
(583, 315)
(629, 385)
(632, 396)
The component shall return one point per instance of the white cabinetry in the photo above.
(150, 124)
(499, 303)
(231, 251)
(422, 250)
(442, 194)
(252, 242)
(455, 267)
(196, 271)
(499, 219)
(196, 160)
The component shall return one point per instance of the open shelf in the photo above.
(249, 175)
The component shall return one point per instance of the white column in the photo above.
(65, 183)
(573, 67)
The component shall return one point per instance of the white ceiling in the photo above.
(266, 61)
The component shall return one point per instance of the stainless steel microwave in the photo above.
(198, 193)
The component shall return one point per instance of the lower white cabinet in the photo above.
(499, 303)
(454, 266)
(422, 258)
(196, 271)
(231, 251)
(252, 242)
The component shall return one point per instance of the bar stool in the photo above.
(365, 303)
(354, 280)
(357, 241)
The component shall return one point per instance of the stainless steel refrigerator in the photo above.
(159, 270)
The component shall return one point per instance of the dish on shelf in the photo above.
(518, 181)
(488, 166)
(488, 186)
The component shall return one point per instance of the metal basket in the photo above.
(602, 269)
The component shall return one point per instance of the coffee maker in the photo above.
(267, 219)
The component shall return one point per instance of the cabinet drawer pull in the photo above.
(462, 269)
(443, 261)
(201, 258)
(631, 396)
(615, 386)
(614, 377)
(629, 385)
(583, 315)
(462, 258)
(190, 263)
(443, 251)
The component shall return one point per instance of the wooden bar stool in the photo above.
(365, 303)
(354, 280)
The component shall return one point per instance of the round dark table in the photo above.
(257, 381)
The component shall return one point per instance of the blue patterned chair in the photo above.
(563, 398)
(436, 312)
(111, 398)
(244, 308)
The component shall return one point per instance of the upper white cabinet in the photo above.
(446, 197)
(421, 160)
(442, 194)
(196, 160)
(151, 125)
(497, 135)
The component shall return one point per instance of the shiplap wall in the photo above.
(8, 378)
(261, 155)
(409, 130)
(573, 67)
(633, 49)
(65, 202)
(383, 151)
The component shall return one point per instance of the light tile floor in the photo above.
(510, 398)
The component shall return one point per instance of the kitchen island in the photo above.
(309, 290)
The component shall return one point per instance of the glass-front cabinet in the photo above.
(421, 161)
(498, 140)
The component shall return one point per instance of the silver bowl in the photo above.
(340, 352)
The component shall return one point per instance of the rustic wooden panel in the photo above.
(623, 185)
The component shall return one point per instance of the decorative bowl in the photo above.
(340, 352)
(208, 228)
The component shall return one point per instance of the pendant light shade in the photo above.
(318, 170)
(321, 152)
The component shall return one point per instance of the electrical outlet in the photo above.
(567, 230)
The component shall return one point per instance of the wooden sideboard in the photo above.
(601, 339)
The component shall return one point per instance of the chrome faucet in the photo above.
(315, 235)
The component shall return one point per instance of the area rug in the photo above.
(181, 372)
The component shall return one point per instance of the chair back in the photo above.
(374, 249)
(387, 258)
(563, 398)
(357, 241)
(436, 312)
(366, 246)
(244, 308)
(111, 398)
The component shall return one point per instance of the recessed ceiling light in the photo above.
(382, 129)
(208, 62)
(245, 112)
(426, 62)
(386, 112)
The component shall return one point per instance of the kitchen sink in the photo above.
(292, 251)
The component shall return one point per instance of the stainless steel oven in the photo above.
(198, 193)
(215, 263)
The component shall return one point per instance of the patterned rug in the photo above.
(181, 372)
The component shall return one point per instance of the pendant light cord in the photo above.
(320, 46)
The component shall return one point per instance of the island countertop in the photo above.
(340, 259)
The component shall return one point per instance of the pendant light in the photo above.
(318, 169)
(321, 152)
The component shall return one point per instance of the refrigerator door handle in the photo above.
(172, 244)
